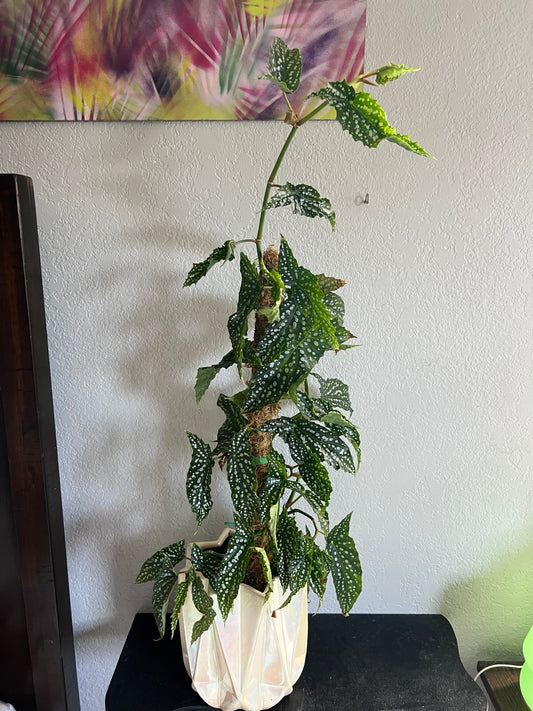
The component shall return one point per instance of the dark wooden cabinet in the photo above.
(37, 669)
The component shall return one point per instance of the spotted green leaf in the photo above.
(284, 66)
(321, 563)
(249, 294)
(390, 72)
(179, 601)
(199, 478)
(272, 487)
(362, 116)
(233, 568)
(325, 444)
(204, 604)
(334, 391)
(328, 284)
(305, 201)
(224, 254)
(316, 476)
(206, 562)
(163, 586)
(165, 559)
(314, 501)
(288, 546)
(340, 425)
(335, 305)
(346, 568)
(241, 476)
(235, 421)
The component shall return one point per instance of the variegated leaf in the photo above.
(346, 568)
(325, 445)
(204, 604)
(233, 568)
(272, 488)
(226, 253)
(362, 116)
(165, 559)
(284, 66)
(320, 569)
(235, 421)
(163, 586)
(334, 391)
(305, 405)
(241, 476)
(314, 501)
(328, 284)
(207, 563)
(288, 544)
(199, 478)
(339, 425)
(390, 72)
(316, 476)
(335, 305)
(300, 567)
(249, 294)
(305, 200)
(179, 601)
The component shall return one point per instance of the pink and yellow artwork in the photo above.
(123, 60)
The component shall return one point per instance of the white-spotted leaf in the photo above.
(346, 568)
(304, 200)
(224, 254)
(284, 66)
(199, 478)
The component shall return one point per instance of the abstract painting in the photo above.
(124, 60)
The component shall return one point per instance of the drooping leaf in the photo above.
(305, 201)
(316, 476)
(241, 476)
(179, 601)
(233, 567)
(390, 72)
(199, 478)
(165, 559)
(235, 421)
(163, 586)
(305, 405)
(314, 501)
(204, 604)
(288, 545)
(346, 568)
(328, 284)
(272, 487)
(362, 116)
(224, 254)
(325, 444)
(334, 391)
(284, 66)
(341, 426)
(249, 294)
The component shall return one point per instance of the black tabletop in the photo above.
(355, 663)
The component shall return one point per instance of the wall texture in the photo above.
(439, 267)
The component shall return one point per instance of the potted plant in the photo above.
(256, 576)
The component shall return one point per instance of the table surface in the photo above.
(503, 687)
(357, 663)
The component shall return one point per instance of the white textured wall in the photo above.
(439, 266)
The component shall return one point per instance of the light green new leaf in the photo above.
(362, 116)
(390, 72)
(199, 478)
(249, 294)
(334, 391)
(284, 66)
(241, 476)
(163, 585)
(235, 421)
(305, 201)
(165, 559)
(233, 568)
(224, 254)
(328, 284)
(267, 570)
(276, 292)
(179, 601)
(346, 568)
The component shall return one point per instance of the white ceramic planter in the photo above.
(252, 661)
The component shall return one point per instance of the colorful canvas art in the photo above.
(123, 60)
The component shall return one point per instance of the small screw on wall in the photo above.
(362, 201)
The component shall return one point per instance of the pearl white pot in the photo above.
(252, 661)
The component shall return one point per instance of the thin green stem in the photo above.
(312, 113)
(242, 241)
(269, 186)
(287, 102)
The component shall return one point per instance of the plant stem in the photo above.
(312, 113)
(269, 186)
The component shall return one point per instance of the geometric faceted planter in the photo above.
(253, 660)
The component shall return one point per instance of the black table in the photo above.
(358, 663)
